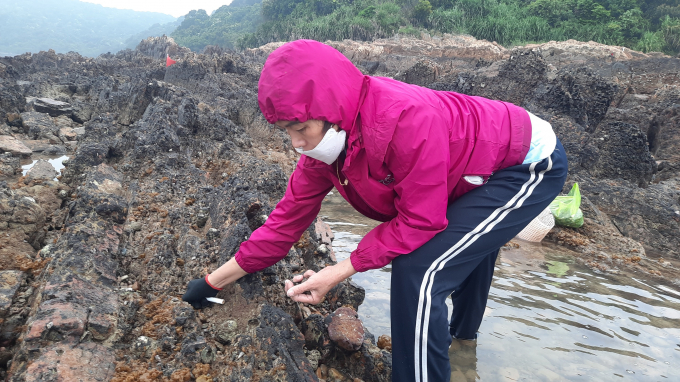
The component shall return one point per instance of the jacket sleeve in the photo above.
(307, 187)
(418, 157)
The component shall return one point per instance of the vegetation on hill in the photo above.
(155, 30)
(69, 25)
(646, 25)
(224, 27)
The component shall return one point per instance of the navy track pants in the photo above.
(459, 262)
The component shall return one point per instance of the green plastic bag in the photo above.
(565, 209)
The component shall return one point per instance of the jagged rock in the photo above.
(55, 150)
(10, 281)
(9, 165)
(37, 145)
(346, 293)
(40, 126)
(65, 362)
(67, 134)
(21, 213)
(422, 73)
(14, 119)
(282, 342)
(623, 153)
(323, 231)
(14, 146)
(52, 107)
(315, 332)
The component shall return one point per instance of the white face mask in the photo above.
(329, 148)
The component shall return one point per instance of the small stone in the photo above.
(208, 354)
(226, 332)
(144, 345)
(314, 356)
(323, 371)
(335, 376)
(201, 219)
(133, 227)
(41, 170)
(345, 329)
(385, 342)
(213, 234)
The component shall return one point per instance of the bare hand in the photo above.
(313, 290)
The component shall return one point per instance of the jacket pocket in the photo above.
(467, 183)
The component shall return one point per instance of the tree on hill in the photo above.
(223, 28)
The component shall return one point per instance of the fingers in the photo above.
(309, 273)
(306, 290)
(307, 286)
(200, 304)
(298, 278)
(287, 285)
(306, 298)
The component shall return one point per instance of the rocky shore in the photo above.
(172, 168)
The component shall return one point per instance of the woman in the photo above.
(452, 177)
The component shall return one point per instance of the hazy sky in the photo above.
(175, 8)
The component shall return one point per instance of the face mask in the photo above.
(329, 148)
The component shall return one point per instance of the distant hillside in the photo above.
(69, 25)
(224, 27)
(155, 30)
(645, 25)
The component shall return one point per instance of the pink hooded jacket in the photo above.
(408, 151)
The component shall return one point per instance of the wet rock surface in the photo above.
(173, 168)
(41, 170)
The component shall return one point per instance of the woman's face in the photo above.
(304, 135)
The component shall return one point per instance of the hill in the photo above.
(224, 27)
(644, 25)
(69, 25)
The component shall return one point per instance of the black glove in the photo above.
(197, 291)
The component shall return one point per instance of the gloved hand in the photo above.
(197, 291)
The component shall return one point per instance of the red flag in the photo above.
(169, 61)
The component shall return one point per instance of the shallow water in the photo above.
(57, 163)
(547, 318)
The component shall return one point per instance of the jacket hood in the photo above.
(306, 79)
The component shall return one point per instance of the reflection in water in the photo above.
(57, 163)
(547, 318)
